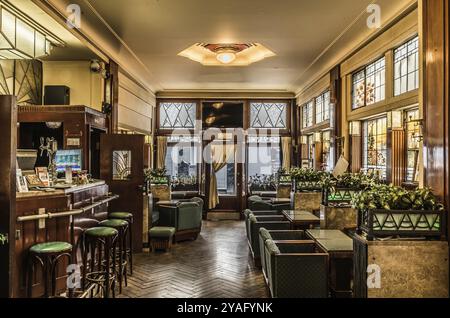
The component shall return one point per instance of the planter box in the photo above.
(338, 218)
(407, 223)
(161, 192)
(284, 191)
(307, 201)
(407, 269)
(340, 195)
(307, 186)
(190, 187)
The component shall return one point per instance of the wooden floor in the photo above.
(216, 265)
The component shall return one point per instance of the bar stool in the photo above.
(100, 242)
(47, 254)
(129, 218)
(122, 227)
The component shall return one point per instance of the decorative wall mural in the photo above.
(22, 78)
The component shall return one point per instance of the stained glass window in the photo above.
(177, 115)
(406, 67)
(412, 130)
(268, 115)
(374, 145)
(323, 107)
(369, 84)
(307, 114)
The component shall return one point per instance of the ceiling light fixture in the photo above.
(21, 37)
(226, 57)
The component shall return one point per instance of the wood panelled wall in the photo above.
(435, 29)
(396, 156)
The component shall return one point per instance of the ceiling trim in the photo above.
(226, 94)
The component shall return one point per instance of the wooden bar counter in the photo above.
(33, 232)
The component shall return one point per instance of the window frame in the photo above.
(167, 130)
(365, 70)
(273, 102)
(407, 134)
(365, 145)
(406, 57)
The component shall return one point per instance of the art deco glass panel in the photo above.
(374, 145)
(406, 67)
(121, 165)
(326, 105)
(369, 84)
(268, 115)
(319, 109)
(177, 115)
(359, 90)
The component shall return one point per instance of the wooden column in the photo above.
(295, 132)
(318, 154)
(356, 153)
(112, 96)
(8, 144)
(396, 157)
(435, 37)
(336, 112)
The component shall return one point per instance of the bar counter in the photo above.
(30, 232)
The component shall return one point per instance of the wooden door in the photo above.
(122, 167)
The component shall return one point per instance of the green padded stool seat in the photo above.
(47, 255)
(101, 232)
(99, 269)
(120, 215)
(51, 247)
(121, 261)
(161, 237)
(129, 218)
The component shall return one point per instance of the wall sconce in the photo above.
(355, 128)
(395, 119)
(317, 137)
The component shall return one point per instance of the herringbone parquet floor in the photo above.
(216, 265)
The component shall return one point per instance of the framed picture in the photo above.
(42, 173)
(21, 182)
(34, 181)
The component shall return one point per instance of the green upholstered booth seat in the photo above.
(101, 232)
(161, 232)
(120, 215)
(273, 222)
(114, 223)
(285, 235)
(51, 247)
(296, 270)
(247, 213)
(256, 203)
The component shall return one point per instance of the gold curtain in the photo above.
(162, 151)
(220, 156)
(286, 143)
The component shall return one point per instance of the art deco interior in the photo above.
(238, 149)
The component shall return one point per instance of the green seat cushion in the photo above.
(51, 247)
(120, 215)
(161, 232)
(101, 232)
(114, 223)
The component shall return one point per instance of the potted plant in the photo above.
(156, 176)
(262, 183)
(386, 210)
(341, 189)
(184, 183)
(307, 179)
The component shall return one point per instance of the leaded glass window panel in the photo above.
(322, 107)
(375, 145)
(319, 109)
(268, 115)
(177, 115)
(406, 67)
(369, 84)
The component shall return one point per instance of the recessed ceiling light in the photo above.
(226, 57)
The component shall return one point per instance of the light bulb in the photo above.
(226, 57)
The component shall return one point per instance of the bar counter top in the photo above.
(58, 192)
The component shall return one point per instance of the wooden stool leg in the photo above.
(107, 266)
(130, 238)
(53, 268)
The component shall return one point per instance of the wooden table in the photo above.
(340, 249)
(301, 220)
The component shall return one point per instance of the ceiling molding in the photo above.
(225, 94)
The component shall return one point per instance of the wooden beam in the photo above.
(8, 144)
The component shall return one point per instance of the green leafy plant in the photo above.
(3, 239)
(155, 175)
(263, 182)
(308, 175)
(183, 181)
(388, 197)
(353, 181)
